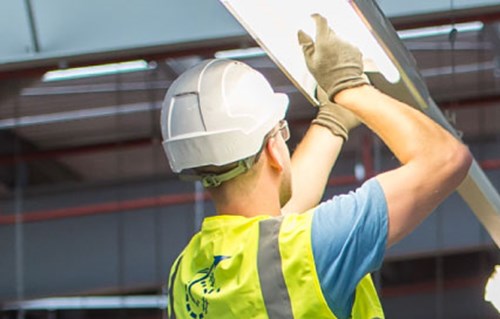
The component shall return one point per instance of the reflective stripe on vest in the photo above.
(272, 282)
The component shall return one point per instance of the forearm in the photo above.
(409, 133)
(434, 162)
(312, 162)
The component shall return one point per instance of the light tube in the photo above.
(96, 70)
(240, 53)
(108, 302)
(439, 30)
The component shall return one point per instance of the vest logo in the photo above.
(197, 307)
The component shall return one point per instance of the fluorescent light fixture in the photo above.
(240, 53)
(274, 25)
(97, 70)
(492, 290)
(440, 30)
(108, 302)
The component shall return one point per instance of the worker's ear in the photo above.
(275, 157)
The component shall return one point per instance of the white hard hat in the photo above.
(217, 113)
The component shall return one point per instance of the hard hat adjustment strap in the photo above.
(214, 180)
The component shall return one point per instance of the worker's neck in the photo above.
(249, 208)
(255, 193)
(251, 202)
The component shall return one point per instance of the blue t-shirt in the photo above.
(349, 234)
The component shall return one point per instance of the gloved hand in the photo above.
(335, 64)
(334, 117)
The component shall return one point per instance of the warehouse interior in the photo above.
(92, 218)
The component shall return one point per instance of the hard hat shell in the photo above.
(217, 113)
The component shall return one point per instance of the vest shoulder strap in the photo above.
(175, 268)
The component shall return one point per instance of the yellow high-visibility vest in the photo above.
(258, 268)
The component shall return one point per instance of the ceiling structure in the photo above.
(81, 127)
(91, 132)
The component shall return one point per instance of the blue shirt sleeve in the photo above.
(349, 234)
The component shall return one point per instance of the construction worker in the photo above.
(271, 251)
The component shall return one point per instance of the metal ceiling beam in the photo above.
(204, 48)
(457, 46)
(75, 151)
(110, 87)
(486, 14)
(83, 114)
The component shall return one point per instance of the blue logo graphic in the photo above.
(198, 307)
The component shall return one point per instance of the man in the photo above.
(259, 257)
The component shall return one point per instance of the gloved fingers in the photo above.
(306, 42)
(304, 38)
(334, 116)
(322, 28)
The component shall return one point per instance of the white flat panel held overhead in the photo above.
(274, 25)
(275, 29)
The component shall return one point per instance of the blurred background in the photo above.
(91, 217)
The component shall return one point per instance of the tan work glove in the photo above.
(335, 64)
(334, 117)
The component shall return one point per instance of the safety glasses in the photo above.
(282, 129)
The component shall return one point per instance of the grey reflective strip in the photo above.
(272, 281)
(171, 288)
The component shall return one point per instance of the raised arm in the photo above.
(312, 162)
(315, 156)
(433, 161)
